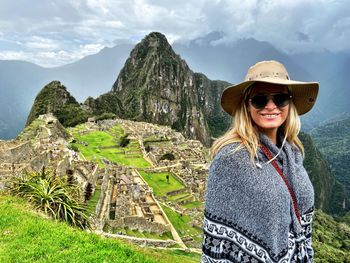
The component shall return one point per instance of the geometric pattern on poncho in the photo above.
(227, 243)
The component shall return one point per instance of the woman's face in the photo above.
(269, 117)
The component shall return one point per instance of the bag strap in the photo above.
(278, 169)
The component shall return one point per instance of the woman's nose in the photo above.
(270, 104)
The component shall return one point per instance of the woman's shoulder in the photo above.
(233, 154)
(296, 154)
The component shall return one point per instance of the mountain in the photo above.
(156, 85)
(17, 82)
(330, 194)
(220, 58)
(211, 54)
(333, 140)
(54, 98)
(21, 81)
(230, 61)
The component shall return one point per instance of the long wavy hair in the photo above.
(245, 132)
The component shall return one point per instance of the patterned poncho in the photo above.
(249, 215)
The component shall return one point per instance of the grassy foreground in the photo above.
(26, 236)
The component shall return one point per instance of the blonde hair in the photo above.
(245, 132)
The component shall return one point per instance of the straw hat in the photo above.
(304, 94)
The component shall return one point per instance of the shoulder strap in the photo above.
(278, 169)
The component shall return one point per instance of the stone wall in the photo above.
(104, 189)
(139, 223)
(143, 242)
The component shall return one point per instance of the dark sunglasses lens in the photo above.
(281, 100)
(259, 101)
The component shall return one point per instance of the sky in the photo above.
(53, 33)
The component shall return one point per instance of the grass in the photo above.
(91, 204)
(178, 197)
(194, 204)
(101, 144)
(159, 183)
(182, 225)
(25, 236)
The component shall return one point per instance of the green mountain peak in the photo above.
(54, 98)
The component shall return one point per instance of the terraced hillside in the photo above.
(155, 159)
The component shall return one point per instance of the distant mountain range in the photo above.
(93, 75)
(21, 81)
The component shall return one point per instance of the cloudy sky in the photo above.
(52, 33)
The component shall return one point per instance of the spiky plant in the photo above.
(52, 195)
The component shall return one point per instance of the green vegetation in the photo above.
(105, 116)
(91, 204)
(329, 194)
(168, 156)
(55, 98)
(27, 236)
(182, 224)
(218, 124)
(99, 145)
(124, 141)
(159, 184)
(331, 240)
(40, 129)
(194, 204)
(52, 195)
(333, 141)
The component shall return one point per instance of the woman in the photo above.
(259, 199)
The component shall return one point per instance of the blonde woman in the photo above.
(259, 200)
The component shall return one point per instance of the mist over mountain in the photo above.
(95, 74)
(230, 62)
(21, 81)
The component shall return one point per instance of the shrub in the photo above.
(105, 116)
(124, 141)
(73, 147)
(168, 156)
(52, 195)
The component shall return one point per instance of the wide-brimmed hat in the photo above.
(304, 94)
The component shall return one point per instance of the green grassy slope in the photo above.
(26, 236)
(100, 144)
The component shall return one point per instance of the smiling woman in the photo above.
(269, 107)
(259, 199)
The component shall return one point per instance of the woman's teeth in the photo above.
(270, 115)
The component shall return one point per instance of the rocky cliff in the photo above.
(157, 86)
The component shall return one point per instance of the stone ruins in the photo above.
(125, 199)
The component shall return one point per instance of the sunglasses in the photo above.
(259, 101)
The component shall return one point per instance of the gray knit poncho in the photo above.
(249, 215)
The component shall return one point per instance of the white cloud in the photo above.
(69, 29)
(37, 42)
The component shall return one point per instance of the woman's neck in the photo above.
(271, 134)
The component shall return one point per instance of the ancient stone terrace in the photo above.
(47, 150)
(127, 201)
(189, 164)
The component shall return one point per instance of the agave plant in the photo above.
(52, 195)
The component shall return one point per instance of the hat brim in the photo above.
(304, 94)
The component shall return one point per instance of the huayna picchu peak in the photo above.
(156, 85)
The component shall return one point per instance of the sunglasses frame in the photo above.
(273, 97)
